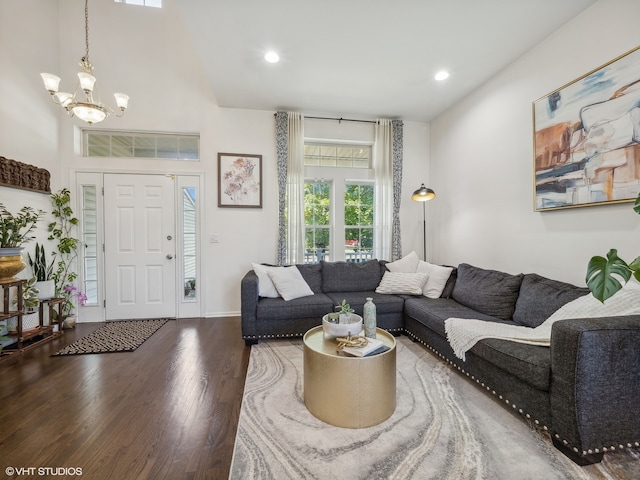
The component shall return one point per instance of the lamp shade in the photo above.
(51, 82)
(122, 100)
(86, 81)
(423, 194)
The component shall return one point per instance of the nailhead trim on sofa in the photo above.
(527, 415)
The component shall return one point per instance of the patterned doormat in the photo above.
(118, 336)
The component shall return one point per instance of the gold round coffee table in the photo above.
(346, 391)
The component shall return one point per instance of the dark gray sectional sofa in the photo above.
(584, 390)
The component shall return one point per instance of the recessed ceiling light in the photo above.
(442, 75)
(271, 57)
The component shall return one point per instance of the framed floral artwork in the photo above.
(239, 180)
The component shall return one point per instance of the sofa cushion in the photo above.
(432, 312)
(488, 291)
(451, 282)
(540, 297)
(312, 274)
(313, 306)
(402, 283)
(350, 277)
(384, 303)
(438, 276)
(289, 283)
(266, 288)
(530, 364)
(407, 264)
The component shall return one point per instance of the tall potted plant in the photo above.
(66, 255)
(15, 231)
(605, 276)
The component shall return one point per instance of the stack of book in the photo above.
(373, 347)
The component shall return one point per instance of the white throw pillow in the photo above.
(290, 283)
(266, 288)
(402, 283)
(407, 264)
(438, 276)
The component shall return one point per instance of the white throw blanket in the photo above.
(463, 333)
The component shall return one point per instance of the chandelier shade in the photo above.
(86, 109)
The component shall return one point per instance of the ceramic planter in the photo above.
(46, 289)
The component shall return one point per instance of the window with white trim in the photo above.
(339, 202)
(168, 146)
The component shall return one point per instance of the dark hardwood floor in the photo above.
(168, 410)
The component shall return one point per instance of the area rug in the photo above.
(118, 336)
(444, 427)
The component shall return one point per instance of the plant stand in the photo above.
(25, 339)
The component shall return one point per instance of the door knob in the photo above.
(169, 256)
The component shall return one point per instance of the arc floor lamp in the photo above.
(424, 194)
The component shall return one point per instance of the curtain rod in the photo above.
(339, 120)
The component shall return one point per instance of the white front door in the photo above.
(139, 247)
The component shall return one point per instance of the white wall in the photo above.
(482, 162)
(28, 118)
(147, 53)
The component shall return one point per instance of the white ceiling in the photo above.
(363, 58)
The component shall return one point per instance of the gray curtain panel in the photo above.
(282, 140)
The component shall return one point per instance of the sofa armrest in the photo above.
(595, 383)
(249, 305)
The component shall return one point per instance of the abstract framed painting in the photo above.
(239, 180)
(587, 138)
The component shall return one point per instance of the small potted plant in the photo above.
(43, 273)
(347, 322)
(30, 302)
(15, 230)
(345, 311)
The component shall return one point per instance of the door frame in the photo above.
(95, 177)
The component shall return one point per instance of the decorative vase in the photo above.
(11, 263)
(369, 318)
(69, 322)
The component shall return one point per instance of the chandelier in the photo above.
(87, 109)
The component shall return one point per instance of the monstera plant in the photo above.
(604, 275)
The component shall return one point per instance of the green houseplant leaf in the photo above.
(603, 274)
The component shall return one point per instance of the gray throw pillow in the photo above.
(350, 277)
(540, 297)
(487, 291)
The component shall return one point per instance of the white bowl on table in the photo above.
(334, 330)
